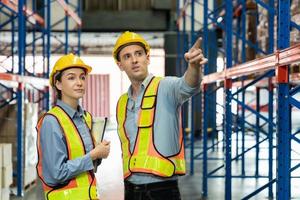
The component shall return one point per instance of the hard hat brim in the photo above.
(128, 44)
(128, 38)
(85, 67)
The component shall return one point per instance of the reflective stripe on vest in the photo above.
(82, 186)
(145, 157)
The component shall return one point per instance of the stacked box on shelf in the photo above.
(30, 158)
(295, 33)
(295, 68)
(295, 7)
(8, 134)
(295, 17)
(263, 29)
(6, 170)
(8, 131)
(1, 164)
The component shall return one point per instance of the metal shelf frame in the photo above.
(30, 36)
(235, 79)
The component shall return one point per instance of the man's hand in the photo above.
(194, 56)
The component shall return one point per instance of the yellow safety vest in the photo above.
(83, 186)
(145, 157)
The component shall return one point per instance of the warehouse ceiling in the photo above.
(118, 15)
(91, 43)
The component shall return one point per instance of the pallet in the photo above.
(30, 185)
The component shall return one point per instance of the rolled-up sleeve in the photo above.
(57, 168)
(178, 90)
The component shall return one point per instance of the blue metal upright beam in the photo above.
(227, 89)
(270, 136)
(20, 96)
(271, 18)
(243, 132)
(79, 2)
(193, 39)
(283, 190)
(67, 31)
(257, 132)
(205, 101)
(47, 9)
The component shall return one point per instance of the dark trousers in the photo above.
(166, 190)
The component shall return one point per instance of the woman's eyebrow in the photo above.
(73, 73)
(70, 73)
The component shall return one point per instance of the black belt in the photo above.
(150, 186)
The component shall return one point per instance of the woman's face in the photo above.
(72, 84)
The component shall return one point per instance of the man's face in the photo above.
(134, 61)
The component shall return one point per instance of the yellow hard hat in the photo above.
(67, 61)
(127, 38)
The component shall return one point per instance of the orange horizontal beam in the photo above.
(70, 12)
(279, 58)
(24, 79)
(294, 79)
(213, 77)
(33, 17)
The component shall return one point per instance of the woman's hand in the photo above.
(101, 150)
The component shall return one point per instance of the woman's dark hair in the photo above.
(58, 78)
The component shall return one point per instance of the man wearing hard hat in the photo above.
(66, 147)
(148, 118)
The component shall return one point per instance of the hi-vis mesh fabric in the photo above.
(83, 186)
(145, 158)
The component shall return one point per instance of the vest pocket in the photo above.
(146, 118)
(148, 102)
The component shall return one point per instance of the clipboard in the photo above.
(98, 130)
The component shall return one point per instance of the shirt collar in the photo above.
(69, 110)
(145, 83)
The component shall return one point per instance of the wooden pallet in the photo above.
(30, 185)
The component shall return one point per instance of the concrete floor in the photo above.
(109, 176)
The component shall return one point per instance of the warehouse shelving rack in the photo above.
(241, 77)
(30, 33)
(74, 11)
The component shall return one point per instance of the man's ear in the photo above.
(148, 58)
(120, 66)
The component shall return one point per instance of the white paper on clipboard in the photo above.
(98, 128)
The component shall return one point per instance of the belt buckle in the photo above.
(140, 187)
(136, 187)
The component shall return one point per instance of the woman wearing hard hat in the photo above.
(66, 147)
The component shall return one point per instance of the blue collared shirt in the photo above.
(172, 93)
(57, 168)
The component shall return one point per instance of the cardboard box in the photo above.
(8, 111)
(8, 134)
(8, 120)
(6, 154)
(30, 175)
(7, 176)
(0, 168)
(30, 157)
(5, 194)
